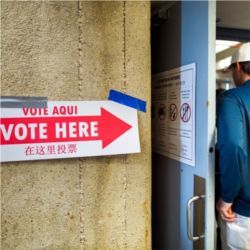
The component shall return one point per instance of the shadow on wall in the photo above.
(165, 172)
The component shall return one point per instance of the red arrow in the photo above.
(106, 127)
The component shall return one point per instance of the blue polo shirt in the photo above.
(233, 124)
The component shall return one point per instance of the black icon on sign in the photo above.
(162, 112)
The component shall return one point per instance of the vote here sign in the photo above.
(67, 130)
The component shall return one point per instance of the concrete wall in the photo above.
(77, 51)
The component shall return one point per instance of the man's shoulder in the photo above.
(240, 95)
(233, 94)
(236, 93)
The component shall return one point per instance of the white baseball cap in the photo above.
(242, 54)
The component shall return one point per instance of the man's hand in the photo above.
(225, 211)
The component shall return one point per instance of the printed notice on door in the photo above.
(173, 114)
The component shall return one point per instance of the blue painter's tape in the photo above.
(127, 100)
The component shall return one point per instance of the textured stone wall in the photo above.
(77, 51)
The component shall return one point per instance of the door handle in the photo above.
(189, 227)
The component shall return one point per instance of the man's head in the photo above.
(240, 64)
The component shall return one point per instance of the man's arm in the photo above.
(230, 145)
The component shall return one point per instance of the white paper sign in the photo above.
(67, 130)
(173, 112)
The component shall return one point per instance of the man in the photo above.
(233, 124)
